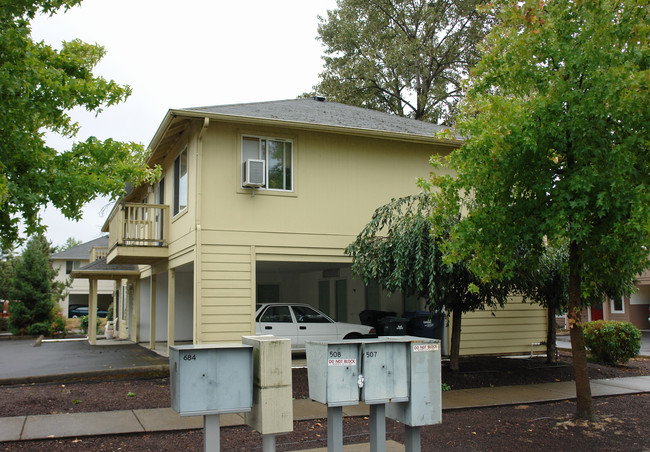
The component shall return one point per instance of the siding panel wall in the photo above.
(226, 291)
(510, 331)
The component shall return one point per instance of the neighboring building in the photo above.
(633, 308)
(257, 204)
(74, 258)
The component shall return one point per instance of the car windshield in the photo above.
(305, 314)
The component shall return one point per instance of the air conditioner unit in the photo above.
(254, 173)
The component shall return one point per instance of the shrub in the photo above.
(83, 324)
(4, 324)
(58, 322)
(110, 312)
(612, 342)
(36, 329)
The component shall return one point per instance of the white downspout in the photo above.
(197, 311)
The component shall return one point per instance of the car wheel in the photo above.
(74, 316)
(353, 336)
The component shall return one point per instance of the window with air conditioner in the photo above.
(267, 163)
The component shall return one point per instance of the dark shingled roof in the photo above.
(81, 252)
(321, 112)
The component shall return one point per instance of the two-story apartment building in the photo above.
(257, 203)
(66, 261)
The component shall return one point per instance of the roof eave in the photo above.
(197, 114)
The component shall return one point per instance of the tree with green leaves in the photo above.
(397, 249)
(33, 291)
(70, 242)
(557, 118)
(547, 285)
(405, 57)
(7, 272)
(39, 85)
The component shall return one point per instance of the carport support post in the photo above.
(171, 307)
(334, 429)
(152, 314)
(135, 321)
(411, 439)
(211, 433)
(378, 428)
(92, 312)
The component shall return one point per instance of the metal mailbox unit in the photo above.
(424, 406)
(398, 376)
(210, 380)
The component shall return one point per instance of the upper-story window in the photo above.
(180, 182)
(277, 154)
(71, 265)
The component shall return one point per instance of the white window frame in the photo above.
(612, 306)
(181, 187)
(264, 155)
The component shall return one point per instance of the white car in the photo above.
(302, 323)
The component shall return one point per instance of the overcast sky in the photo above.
(183, 54)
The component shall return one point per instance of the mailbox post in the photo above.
(272, 410)
(210, 380)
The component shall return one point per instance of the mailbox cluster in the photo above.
(399, 377)
(385, 370)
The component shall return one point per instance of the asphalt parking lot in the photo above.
(22, 361)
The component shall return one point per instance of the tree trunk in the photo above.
(585, 407)
(551, 347)
(454, 361)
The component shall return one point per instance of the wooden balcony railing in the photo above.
(98, 252)
(143, 225)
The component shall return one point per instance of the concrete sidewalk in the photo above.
(164, 419)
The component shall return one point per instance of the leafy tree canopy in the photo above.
(39, 85)
(398, 250)
(405, 57)
(556, 119)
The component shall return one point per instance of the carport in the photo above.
(100, 270)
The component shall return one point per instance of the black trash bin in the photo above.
(374, 318)
(394, 326)
(425, 324)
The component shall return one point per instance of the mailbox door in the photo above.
(211, 381)
(385, 370)
(343, 374)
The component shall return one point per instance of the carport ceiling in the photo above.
(297, 267)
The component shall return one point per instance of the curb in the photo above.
(155, 371)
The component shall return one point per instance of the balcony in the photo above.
(138, 234)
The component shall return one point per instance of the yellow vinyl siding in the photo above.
(511, 330)
(226, 293)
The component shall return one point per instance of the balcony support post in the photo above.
(171, 307)
(152, 313)
(135, 320)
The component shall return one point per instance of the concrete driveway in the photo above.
(23, 362)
